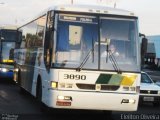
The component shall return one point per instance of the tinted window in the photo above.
(32, 33)
(8, 35)
(145, 78)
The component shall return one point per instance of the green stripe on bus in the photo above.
(115, 79)
(110, 79)
(103, 79)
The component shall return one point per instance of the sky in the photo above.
(17, 12)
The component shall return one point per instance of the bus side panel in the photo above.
(25, 60)
(42, 74)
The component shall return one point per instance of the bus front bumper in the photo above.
(93, 100)
(6, 74)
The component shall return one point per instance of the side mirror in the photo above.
(143, 49)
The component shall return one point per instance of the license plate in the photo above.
(148, 98)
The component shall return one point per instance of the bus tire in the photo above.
(22, 91)
(19, 77)
(43, 107)
(39, 95)
(39, 90)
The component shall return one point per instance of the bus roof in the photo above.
(86, 9)
(9, 27)
(92, 9)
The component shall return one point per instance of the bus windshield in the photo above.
(79, 37)
(7, 45)
(6, 50)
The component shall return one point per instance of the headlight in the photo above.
(159, 92)
(16, 70)
(4, 69)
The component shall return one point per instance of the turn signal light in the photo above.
(54, 84)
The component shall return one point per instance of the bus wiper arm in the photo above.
(87, 57)
(114, 62)
(107, 48)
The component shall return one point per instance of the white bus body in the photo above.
(59, 59)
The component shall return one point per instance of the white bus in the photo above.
(65, 59)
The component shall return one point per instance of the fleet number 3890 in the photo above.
(74, 77)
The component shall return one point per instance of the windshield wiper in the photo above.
(87, 57)
(111, 56)
(114, 62)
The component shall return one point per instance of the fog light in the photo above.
(132, 101)
(64, 98)
(68, 98)
(60, 97)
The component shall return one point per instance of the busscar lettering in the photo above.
(74, 77)
(69, 18)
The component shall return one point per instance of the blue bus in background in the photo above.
(8, 38)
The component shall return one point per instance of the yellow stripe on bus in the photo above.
(128, 80)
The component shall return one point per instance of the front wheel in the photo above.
(22, 91)
(39, 91)
(39, 96)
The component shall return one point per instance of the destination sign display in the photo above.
(82, 19)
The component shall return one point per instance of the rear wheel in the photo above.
(22, 91)
(19, 78)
